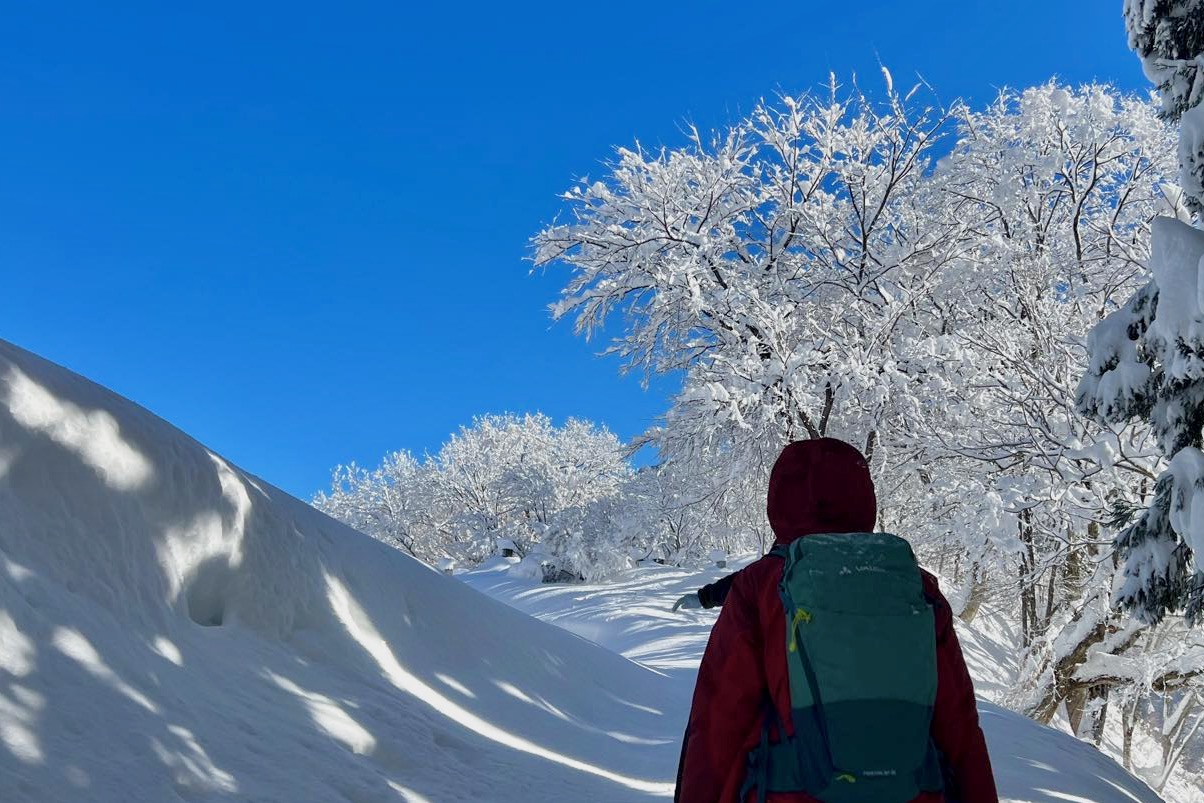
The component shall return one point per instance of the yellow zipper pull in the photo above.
(800, 617)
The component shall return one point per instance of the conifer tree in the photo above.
(1147, 358)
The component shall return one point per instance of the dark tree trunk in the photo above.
(1050, 593)
(1028, 587)
(1063, 685)
(1076, 707)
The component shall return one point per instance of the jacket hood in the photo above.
(820, 486)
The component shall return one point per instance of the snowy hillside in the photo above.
(173, 628)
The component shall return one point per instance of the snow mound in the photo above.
(174, 628)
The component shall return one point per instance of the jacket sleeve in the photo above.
(955, 728)
(728, 701)
(714, 594)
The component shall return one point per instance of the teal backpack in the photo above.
(861, 656)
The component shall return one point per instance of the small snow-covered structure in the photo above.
(719, 558)
(447, 565)
(506, 548)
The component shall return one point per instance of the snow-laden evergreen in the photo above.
(1168, 36)
(1146, 358)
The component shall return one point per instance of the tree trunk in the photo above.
(1126, 750)
(1027, 607)
(1076, 705)
(1050, 594)
(1087, 708)
(1078, 561)
(1167, 746)
(1063, 684)
(1128, 724)
(1028, 588)
(1100, 719)
(978, 594)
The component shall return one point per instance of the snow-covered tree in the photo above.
(1138, 686)
(812, 271)
(1168, 35)
(548, 490)
(1147, 358)
(1061, 185)
(783, 265)
(530, 482)
(390, 502)
(679, 511)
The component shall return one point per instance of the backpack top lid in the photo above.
(820, 486)
(872, 573)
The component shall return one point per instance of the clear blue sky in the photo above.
(298, 231)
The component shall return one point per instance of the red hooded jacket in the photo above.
(817, 486)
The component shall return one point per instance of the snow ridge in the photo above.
(171, 626)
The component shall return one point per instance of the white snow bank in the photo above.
(172, 627)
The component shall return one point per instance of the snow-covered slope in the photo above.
(173, 628)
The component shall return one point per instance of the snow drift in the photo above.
(174, 628)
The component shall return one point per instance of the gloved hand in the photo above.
(688, 603)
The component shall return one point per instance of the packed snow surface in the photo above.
(172, 628)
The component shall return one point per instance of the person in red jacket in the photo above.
(816, 486)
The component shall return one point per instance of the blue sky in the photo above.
(297, 231)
